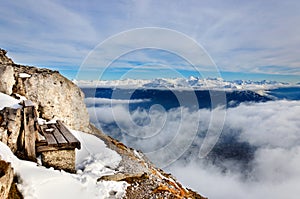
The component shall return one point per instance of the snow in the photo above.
(8, 101)
(94, 157)
(92, 161)
(183, 83)
(24, 75)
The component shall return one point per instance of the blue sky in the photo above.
(245, 39)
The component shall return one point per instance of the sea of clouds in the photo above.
(271, 128)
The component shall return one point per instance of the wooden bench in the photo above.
(58, 148)
(20, 130)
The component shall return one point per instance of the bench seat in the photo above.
(57, 149)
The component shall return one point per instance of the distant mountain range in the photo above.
(183, 83)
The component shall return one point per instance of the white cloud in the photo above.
(92, 101)
(45, 33)
(271, 127)
(272, 124)
(240, 36)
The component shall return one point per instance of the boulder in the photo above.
(7, 73)
(56, 97)
(10, 127)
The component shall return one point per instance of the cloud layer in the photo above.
(271, 128)
(94, 101)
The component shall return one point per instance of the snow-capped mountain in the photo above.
(183, 83)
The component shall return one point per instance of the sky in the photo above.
(240, 39)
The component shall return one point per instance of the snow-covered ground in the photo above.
(39, 182)
(8, 101)
(93, 160)
(182, 83)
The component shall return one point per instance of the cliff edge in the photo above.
(56, 97)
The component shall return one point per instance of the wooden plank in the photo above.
(58, 136)
(44, 148)
(30, 113)
(29, 135)
(68, 135)
(21, 140)
(41, 143)
(50, 139)
(48, 135)
(40, 138)
(30, 119)
(35, 114)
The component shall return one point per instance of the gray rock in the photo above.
(11, 126)
(56, 97)
(7, 73)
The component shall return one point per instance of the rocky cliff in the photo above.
(58, 98)
(54, 95)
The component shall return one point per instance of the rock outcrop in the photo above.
(146, 181)
(54, 95)
(6, 178)
(10, 127)
(7, 73)
(4, 60)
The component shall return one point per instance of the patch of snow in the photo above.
(94, 157)
(92, 161)
(8, 101)
(42, 121)
(24, 75)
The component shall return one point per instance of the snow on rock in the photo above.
(8, 101)
(24, 75)
(94, 157)
(94, 161)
